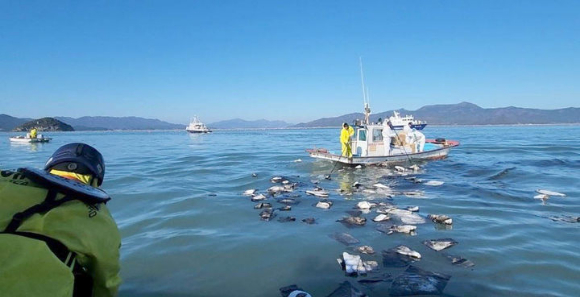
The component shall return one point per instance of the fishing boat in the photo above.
(28, 139)
(196, 126)
(400, 122)
(369, 148)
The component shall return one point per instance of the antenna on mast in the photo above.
(365, 93)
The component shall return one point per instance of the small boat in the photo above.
(374, 152)
(368, 147)
(25, 139)
(196, 126)
(400, 122)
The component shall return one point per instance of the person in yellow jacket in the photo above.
(33, 133)
(345, 135)
(57, 237)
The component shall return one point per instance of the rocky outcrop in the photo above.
(44, 124)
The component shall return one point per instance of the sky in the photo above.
(295, 61)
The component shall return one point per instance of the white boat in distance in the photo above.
(24, 139)
(196, 126)
(400, 122)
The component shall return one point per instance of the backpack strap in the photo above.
(49, 203)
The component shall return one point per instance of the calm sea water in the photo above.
(188, 230)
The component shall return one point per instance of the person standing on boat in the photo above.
(57, 237)
(387, 134)
(345, 140)
(33, 133)
(416, 139)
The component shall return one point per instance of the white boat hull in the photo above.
(29, 140)
(435, 154)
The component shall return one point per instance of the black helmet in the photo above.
(78, 158)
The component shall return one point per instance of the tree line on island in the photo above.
(464, 113)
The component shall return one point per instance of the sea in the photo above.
(188, 230)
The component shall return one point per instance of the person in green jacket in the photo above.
(57, 237)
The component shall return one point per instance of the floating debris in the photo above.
(414, 179)
(381, 186)
(381, 218)
(440, 244)
(262, 205)
(356, 185)
(293, 291)
(276, 179)
(376, 279)
(567, 219)
(440, 219)
(365, 249)
(254, 175)
(412, 208)
(285, 208)
(400, 168)
(259, 197)
(291, 201)
(250, 192)
(309, 221)
(550, 193)
(542, 196)
(365, 205)
(297, 160)
(399, 257)
(212, 195)
(286, 219)
(315, 181)
(416, 281)
(407, 229)
(414, 194)
(346, 289)
(325, 204)
(459, 261)
(344, 238)
(434, 183)
(354, 265)
(276, 189)
(267, 214)
(414, 167)
(406, 217)
(317, 193)
(353, 221)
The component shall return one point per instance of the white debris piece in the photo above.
(297, 160)
(381, 218)
(381, 186)
(434, 183)
(365, 205)
(250, 192)
(403, 250)
(317, 193)
(551, 193)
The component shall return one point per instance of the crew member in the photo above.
(57, 237)
(345, 135)
(416, 139)
(387, 134)
(33, 133)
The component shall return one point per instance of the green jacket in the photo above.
(29, 268)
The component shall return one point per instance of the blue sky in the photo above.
(283, 60)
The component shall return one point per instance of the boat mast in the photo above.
(365, 98)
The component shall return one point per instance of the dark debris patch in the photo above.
(416, 281)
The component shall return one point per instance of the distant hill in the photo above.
(119, 123)
(8, 123)
(243, 124)
(465, 113)
(44, 124)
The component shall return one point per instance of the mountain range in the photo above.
(243, 124)
(463, 113)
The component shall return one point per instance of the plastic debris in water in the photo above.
(344, 238)
(440, 244)
(551, 193)
(416, 281)
(440, 219)
(434, 183)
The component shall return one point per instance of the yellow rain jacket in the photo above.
(345, 135)
(33, 133)
(30, 268)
